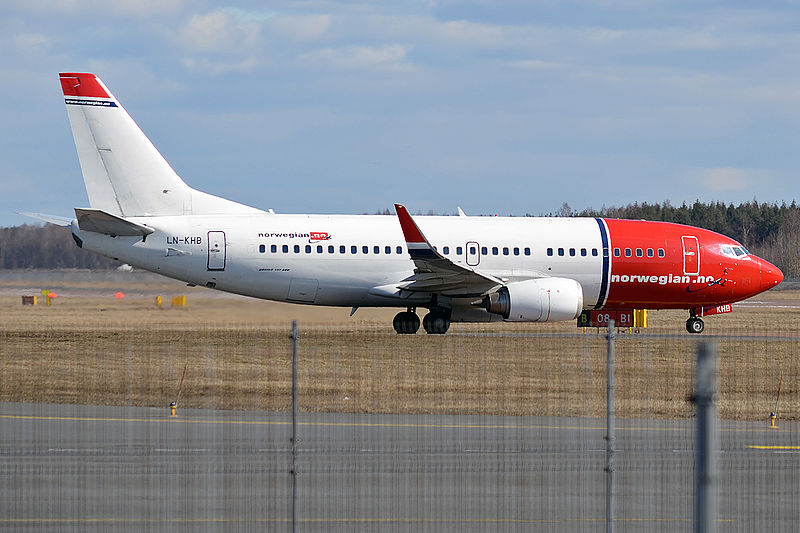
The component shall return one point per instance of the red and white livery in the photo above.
(463, 268)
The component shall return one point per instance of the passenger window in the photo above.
(399, 249)
(484, 250)
(319, 248)
(285, 248)
(472, 250)
(376, 250)
(273, 248)
(627, 252)
(650, 252)
(342, 249)
(387, 250)
(516, 251)
(583, 252)
(527, 251)
(638, 252)
(549, 252)
(561, 251)
(495, 250)
(459, 250)
(661, 252)
(262, 248)
(616, 252)
(354, 250)
(446, 250)
(297, 248)
(572, 252)
(308, 248)
(330, 248)
(505, 250)
(365, 249)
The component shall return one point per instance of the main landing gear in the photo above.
(436, 322)
(406, 322)
(694, 324)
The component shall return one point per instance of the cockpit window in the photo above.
(733, 251)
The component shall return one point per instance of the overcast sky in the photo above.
(501, 107)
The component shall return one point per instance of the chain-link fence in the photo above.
(482, 429)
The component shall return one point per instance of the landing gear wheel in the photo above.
(406, 323)
(695, 325)
(435, 323)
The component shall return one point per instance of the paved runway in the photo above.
(77, 468)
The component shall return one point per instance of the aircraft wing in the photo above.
(436, 273)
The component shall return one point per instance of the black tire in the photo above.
(695, 325)
(406, 323)
(435, 324)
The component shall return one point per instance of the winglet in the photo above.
(418, 245)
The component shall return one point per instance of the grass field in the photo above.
(90, 348)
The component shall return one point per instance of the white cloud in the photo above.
(535, 64)
(136, 8)
(219, 31)
(358, 57)
(32, 43)
(216, 68)
(300, 28)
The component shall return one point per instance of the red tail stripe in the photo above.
(82, 84)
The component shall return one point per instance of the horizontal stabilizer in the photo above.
(50, 219)
(101, 222)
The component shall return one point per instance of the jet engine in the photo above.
(536, 300)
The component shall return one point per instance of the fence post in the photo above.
(294, 425)
(610, 431)
(706, 467)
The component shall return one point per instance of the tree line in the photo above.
(46, 247)
(769, 230)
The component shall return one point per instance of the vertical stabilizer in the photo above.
(124, 173)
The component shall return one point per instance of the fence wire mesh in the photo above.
(482, 429)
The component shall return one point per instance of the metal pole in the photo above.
(706, 467)
(610, 432)
(294, 425)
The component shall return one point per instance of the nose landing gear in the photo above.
(695, 324)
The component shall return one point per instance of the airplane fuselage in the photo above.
(358, 260)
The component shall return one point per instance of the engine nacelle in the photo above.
(537, 300)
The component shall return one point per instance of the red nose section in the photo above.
(770, 275)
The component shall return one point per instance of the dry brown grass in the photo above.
(97, 350)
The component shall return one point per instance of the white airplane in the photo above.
(466, 269)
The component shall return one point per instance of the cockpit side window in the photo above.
(733, 251)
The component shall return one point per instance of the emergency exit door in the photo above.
(216, 250)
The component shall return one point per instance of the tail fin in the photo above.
(124, 173)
